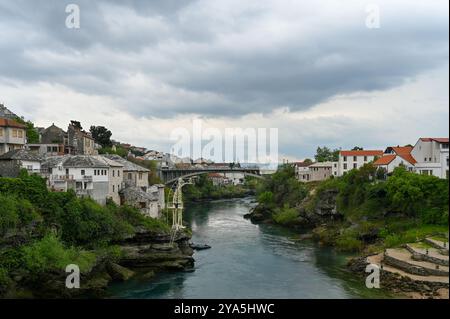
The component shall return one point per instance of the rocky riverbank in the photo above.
(142, 255)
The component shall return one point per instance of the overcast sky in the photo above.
(312, 69)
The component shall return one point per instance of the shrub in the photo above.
(285, 215)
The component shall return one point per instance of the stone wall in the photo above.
(9, 168)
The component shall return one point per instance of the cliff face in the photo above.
(318, 209)
(142, 255)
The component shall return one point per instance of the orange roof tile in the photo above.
(384, 160)
(436, 139)
(10, 123)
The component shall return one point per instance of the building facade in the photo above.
(12, 135)
(355, 159)
(13, 161)
(432, 156)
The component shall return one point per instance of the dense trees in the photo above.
(101, 135)
(324, 154)
(42, 230)
(31, 132)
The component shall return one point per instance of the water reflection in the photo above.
(250, 261)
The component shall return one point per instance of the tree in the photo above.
(31, 132)
(324, 154)
(357, 148)
(76, 124)
(101, 135)
(308, 161)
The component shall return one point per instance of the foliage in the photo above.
(31, 132)
(324, 154)
(118, 150)
(50, 254)
(204, 189)
(101, 135)
(153, 177)
(285, 215)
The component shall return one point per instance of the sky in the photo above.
(315, 70)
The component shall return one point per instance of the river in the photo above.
(250, 261)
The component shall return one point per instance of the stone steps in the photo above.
(378, 260)
(402, 259)
(441, 245)
(432, 255)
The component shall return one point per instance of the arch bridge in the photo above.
(171, 175)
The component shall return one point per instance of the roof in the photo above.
(10, 123)
(22, 154)
(108, 161)
(362, 153)
(74, 161)
(302, 164)
(405, 153)
(435, 139)
(384, 160)
(127, 165)
(322, 164)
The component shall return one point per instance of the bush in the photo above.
(50, 254)
(285, 215)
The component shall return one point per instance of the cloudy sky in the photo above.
(312, 69)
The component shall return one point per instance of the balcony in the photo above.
(62, 178)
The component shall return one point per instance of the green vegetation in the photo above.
(204, 189)
(117, 149)
(153, 177)
(101, 135)
(42, 231)
(376, 212)
(31, 132)
(324, 154)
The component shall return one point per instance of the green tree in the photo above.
(325, 154)
(101, 135)
(31, 132)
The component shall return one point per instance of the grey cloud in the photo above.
(186, 54)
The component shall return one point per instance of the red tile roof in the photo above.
(436, 139)
(302, 164)
(405, 153)
(362, 153)
(10, 123)
(384, 160)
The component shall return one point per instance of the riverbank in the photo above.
(359, 213)
(43, 232)
(249, 261)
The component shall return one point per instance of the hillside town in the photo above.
(70, 160)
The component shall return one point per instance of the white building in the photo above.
(12, 135)
(432, 156)
(302, 171)
(86, 175)
(115, 178)
(13, 161)
(395, 156)
(349, 160)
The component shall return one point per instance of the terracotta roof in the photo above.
(436, 139)
(10, 123)
(384, 160)
(405, 153)
(362, 153)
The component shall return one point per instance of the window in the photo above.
(20, 133)
(345, 158)
(114, 172)
(49, 149)
(345, 166)
(365, 158)
(95, 172)
(1, 131)
(140, 175)
(355, 158)
(425, 159)
(118, 173)
(355, 165)
(14, 133)
(114, 188)
(444, 146)
(129, 176)
(82, 172)
(67, 171)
